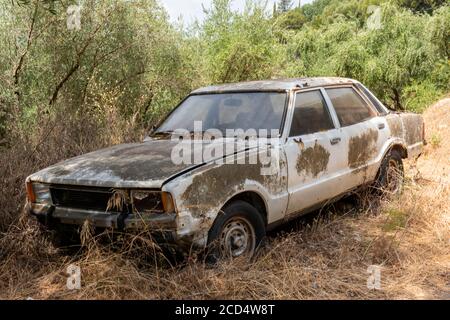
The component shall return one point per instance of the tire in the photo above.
(391, 175)
(237, 232)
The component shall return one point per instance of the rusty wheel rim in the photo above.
(237, 238)
(394, 177)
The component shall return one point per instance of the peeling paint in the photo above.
(313, 160)
(362, 148)
(413, 124)
(137, 165)
(395, 125)
(211, 188)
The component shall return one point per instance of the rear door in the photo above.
(363, 133)
(313, 152)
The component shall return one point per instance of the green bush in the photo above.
(131, 53)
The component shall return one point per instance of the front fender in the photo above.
(200, 194)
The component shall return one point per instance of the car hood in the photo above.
(135, 165)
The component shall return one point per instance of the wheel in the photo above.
(391, 174)
(237, 232)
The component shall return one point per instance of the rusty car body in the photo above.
(334, 137)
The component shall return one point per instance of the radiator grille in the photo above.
(87, 199)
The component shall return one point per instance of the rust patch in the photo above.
(362, 148)
(313, 160)
(208, 188)
(213, 187)
(413, 124)
(118, 165)
(395, 125)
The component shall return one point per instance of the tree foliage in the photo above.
(422, 5)
(405, 51)
(293, 19)
(239, 47)
(128, 63)
(284, 5)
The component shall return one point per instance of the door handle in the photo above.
(298, 140)
(381, 126)
(335, 140)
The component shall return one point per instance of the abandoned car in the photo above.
(332, 135)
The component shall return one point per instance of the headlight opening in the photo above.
(151, 202)
(40, 193)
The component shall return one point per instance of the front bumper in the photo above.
(154, 222)
(178, 229)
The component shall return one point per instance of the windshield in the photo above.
(222, 111)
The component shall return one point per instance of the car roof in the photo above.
(274, 85)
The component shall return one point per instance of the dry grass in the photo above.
(326, 259)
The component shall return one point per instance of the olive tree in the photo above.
(239, 47)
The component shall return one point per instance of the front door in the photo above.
(313, 152)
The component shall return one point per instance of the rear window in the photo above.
(349, 106)
(372, 99)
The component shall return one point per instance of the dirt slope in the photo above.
(435, 164)
(430, 176)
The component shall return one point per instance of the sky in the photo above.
(192, 9)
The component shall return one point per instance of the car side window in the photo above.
(310, 114)
(372, 99)
(349, 106)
